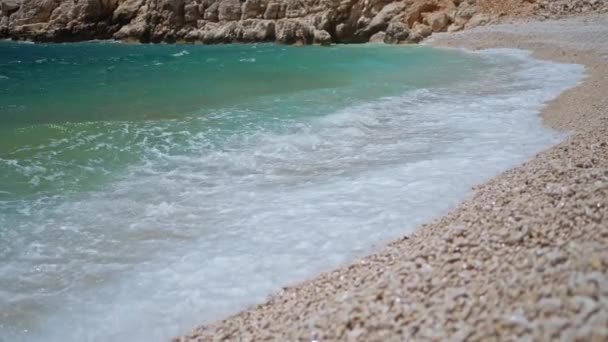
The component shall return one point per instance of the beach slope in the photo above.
(525, 257)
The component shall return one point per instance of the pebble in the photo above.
(539, 252)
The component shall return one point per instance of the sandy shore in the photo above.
(526, 258)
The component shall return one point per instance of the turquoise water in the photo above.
(73, 115)
(146, 188)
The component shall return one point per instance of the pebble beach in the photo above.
(525, 258)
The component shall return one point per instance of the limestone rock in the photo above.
(88, 11)
(291, 31)
(274, 10)
(380, 21)
(136, 30)
(322, 37)
(191, 12)
(293, 21)
(256, 30)
(419, 32)
(414, 12)
(438, 21)
(252, 9)
(466, 10)
(478, 20)
(127, 10)
(33, 12)
(396, 32)
(229, 10)
(211, 13)
(455, 27)
(9, 6)
(377, 37)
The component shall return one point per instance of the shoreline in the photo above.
(525, 256)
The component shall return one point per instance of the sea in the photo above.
(145, 189)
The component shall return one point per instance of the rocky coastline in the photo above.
(283, 21)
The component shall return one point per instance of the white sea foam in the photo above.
(181, 53)
(185, 238)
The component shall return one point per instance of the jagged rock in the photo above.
(415, 11)
(293, 21)
(396, 32)
(419, 32)
(191, 12)
(252, 9)
(8, 7)
(295, 9)
(229, 10)
(377, 37)
(136, 30)
(88, 11)
(322, 21)
(290, 31)
(211, 13)
(478, 20)
(465, 11)
(380, 21)
(455, 27)
(127, 10)
(253, 30)
(221, 33)
(322, 37)
(62, 15)
(33, 12)
(438, 21)
(274, 10)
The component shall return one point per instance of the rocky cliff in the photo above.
(283, 21)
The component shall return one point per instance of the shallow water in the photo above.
(145, 189)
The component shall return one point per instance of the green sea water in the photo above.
(73, 115)
(145, 189)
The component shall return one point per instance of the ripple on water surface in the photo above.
(222, 179)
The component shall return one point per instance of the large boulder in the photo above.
(137, 30)
(252, 9)
(438, 21)
(414, 12)
(381, 20)
(343, 32)
(322, 37)
(292, 31)
(191, 12)
(33, 12)
(465, 11)
(127, 10)
(170, 17)
(253, 30)
(211, 13)
(295, 9)
(86, 11)
(396, 32)
(419, 32)
(229, 10)
(8, 7)
(378, 37)
(478, 20)
(274, 10)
